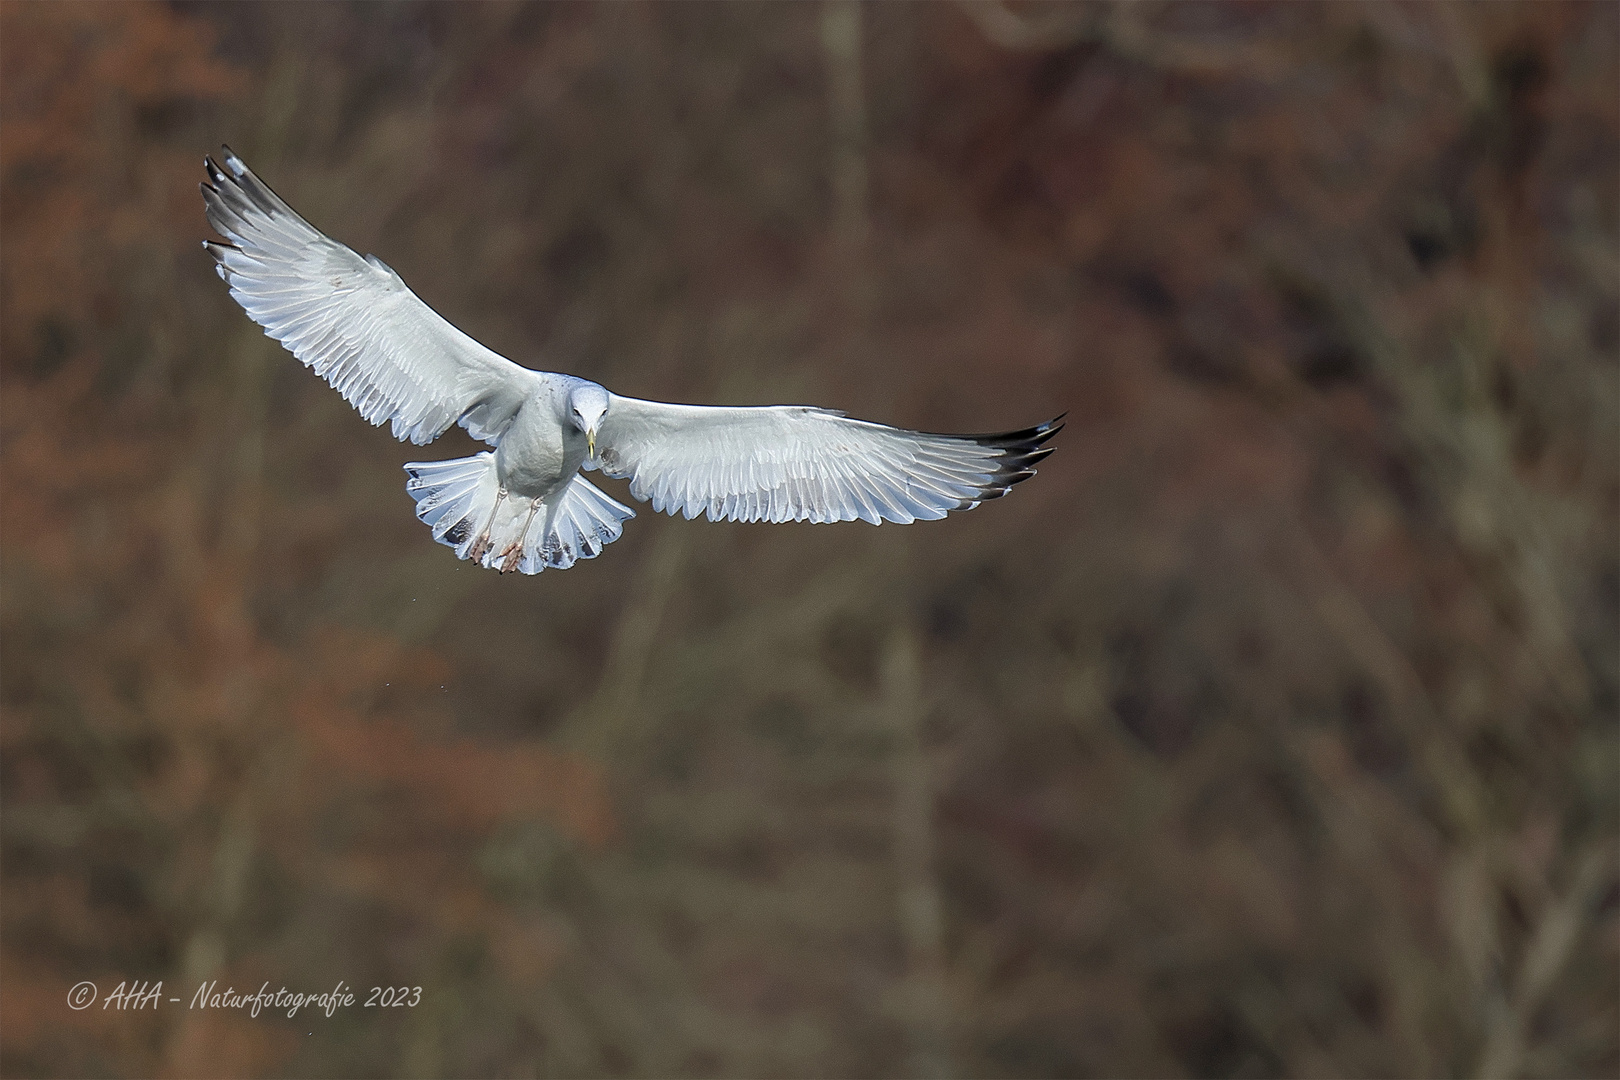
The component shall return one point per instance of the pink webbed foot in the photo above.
(481, 545)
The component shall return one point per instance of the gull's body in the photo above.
(525, 506)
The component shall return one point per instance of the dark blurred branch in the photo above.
(1122, 29)
(1057, 27)
(207, 949)
(1457, 786)
(614, 717)
(1466, 447)
(244, 420)
(1551, 945)
(922, 924)
(846, 106)
(251, 351)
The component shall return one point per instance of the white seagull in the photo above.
(525, 506)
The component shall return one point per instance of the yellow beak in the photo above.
(590, 442)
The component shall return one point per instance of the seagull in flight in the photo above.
(524, 506)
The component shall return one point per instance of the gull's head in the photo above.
(587, 404)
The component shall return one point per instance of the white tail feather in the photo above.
(455, 499)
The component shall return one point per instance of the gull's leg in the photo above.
(514, 554)
(482, 544)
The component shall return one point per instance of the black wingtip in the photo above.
(1020, 451)
(1029, 437)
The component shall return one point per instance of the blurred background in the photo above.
(1270, 731)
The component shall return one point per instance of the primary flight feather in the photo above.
(525, 506)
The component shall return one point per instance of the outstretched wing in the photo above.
(796, 463)
(353, 320)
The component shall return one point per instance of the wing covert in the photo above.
(798, 463)
(353, 320)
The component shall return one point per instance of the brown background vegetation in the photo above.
(1271, 730)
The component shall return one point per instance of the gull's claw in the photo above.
(481, 546)
(514, 552)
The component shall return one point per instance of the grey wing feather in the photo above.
(353, 320)
(797, 463)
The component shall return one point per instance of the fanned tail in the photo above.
(585, 522)
(456, 498)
